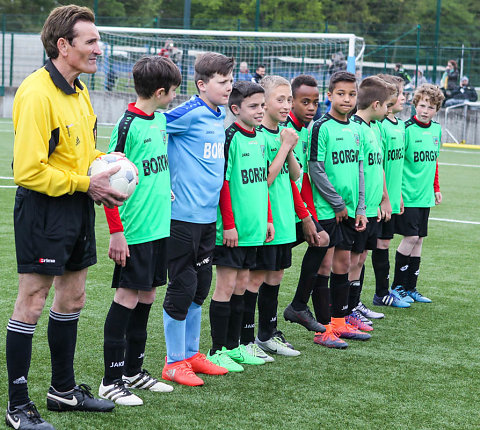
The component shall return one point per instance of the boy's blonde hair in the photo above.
(270, 82)
(394, 80)
(430, 92)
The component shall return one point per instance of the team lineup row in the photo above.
(243, 197)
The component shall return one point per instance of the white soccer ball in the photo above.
(125, 180)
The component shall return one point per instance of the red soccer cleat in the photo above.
(200, 364)
(181, 372)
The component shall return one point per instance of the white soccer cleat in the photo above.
(274, 345)
(144, 381)
(117, 393)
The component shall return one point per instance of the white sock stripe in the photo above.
(64, 317)
(21, 327)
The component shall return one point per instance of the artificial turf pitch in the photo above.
(420, 370)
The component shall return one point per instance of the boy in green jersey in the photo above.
(420, 190)
(274, 257)
(375, 99)
(138, 232)
(243, 223)
(336, 171)
(393, 144)
(304, 106)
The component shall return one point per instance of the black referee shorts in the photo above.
(53, 234)
(146, 267)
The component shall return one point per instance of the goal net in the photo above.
(285, 54)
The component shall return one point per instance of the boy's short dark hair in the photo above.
(392, 79)
(153, 72)
(374, 89)
(241, 90)
(209, 63)
(60, 24)
(340, 76)
(300, 80)
(430, 92)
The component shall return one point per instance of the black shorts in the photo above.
(333, 230)
(413, 222)
(146, 267)
(240, 257)
(367, 239)
(387, 229)
(273, 257)
(342, 234)
(299, 231)
(53, 234)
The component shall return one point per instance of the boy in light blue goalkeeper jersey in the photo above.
(196, 157)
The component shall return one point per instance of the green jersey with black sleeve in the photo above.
(246, 173)
(372, 164)
(393, 145)
(422, 147)
(337, 144)
(280, 191)
(146, 214)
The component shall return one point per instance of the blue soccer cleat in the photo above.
(389, 300)
(418, 297)
(401, 294)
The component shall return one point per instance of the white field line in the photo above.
(456, 221)
(6, 177)
(459, 165)
(8, 186)
(460, 151)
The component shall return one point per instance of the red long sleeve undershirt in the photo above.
(113, 219)
(298, 203)
(307, 195)
(436, 183)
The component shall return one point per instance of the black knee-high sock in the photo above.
(401, 270)
(321, 299)
(136, 336)
(339, 288)
(413, 272)
(219, 317)
(235, 322)
(62, 340)
(114, 331)
(18, 354)
(381, 267)
(354, 292)
(311, 262)
(247, 334)
(267, 310)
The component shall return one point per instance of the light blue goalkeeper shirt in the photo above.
(196, 139)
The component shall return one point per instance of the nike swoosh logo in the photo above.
(71, 402)
(15, 424)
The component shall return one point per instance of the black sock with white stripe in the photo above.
(401, 270)
(19, 354)
(62, 340)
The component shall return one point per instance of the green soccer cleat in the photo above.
(222, 359)
(241, 355)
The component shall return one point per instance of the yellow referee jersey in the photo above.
(55, 134)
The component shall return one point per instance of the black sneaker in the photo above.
(78, 399)
(26, 417)
(304, 318)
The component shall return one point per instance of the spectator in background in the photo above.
(259, 73)
(464, 93)
(170, 51)
(337, 63)
(449, 81)
(421, 79)
(244, 74)
(400, 71)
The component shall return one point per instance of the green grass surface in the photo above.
(420, 370)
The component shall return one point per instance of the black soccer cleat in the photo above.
(26, 417)
(78, 399)
(304, 318)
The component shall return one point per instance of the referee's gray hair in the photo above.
(270, 82)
